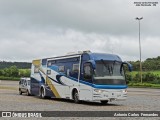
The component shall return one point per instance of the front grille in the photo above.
(110, 82)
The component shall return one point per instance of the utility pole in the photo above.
(140, 48)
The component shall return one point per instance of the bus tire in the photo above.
(103, 102)
(42, 93)
(76, 96)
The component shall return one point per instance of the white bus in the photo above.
(83, 76)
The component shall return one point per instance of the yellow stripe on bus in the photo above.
(36, 62)
(41, 70)
(49, 83)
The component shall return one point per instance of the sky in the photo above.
(32, 29)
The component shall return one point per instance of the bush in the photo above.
(128, 77)
(13, 73)
(146, 77)
(9, 72)
(24, 72)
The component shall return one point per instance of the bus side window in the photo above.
(75, 68)
(87, 72)
(61, 69)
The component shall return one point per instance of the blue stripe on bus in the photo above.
(101, 86)
(54, 67)
(110, 86)
(86, 83)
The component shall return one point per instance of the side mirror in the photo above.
(130, 68)
(93, 64)
(87, 70)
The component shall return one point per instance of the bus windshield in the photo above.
(109, 72)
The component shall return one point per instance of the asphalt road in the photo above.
(139, 99)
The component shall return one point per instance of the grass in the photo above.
(133, 73)
(149, 84)
(9, 78)
(144, 85)
(155, 72)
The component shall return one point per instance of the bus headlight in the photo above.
(124, 91)
(99, 91)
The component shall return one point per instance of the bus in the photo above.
(82, 76)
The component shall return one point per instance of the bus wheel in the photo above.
(76, 96)
(20, 92)
(42, 94)
(104, 102)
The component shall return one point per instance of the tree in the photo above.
(14, 71)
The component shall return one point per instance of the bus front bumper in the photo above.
(110, 95)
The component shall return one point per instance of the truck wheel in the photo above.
(20, 92)
(76, 97)
(28, 94)
(104, 102)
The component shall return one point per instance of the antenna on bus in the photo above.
(71, 53)
(86, 51)
(79, 52)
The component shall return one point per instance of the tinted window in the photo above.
(61, 68)
(22, 81)
(75, 67)
(28, 82)
(25, 82)
(36, 69)
(48, 72)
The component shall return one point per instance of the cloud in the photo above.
(36, 28)
(30, 45)
(89, 15)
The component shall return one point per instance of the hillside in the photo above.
(150, 64)
(20, 65)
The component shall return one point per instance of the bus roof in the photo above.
(93, 56)
(104, 56)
